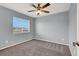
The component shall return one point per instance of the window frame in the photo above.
(23, 19)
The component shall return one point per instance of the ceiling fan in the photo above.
(39, 9)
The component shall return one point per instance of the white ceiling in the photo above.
(24, 7)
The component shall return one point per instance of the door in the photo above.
(77, 47)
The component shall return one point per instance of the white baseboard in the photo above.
(7, 46)
(50, 41)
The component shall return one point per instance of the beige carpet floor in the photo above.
(36, 48)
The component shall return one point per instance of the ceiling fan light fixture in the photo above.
(38, 12)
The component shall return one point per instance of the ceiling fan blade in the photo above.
(45, 11)
(31, 10)
(34, 6)
(46, 5)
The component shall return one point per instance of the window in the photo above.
(21, 25)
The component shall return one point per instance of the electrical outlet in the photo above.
(7, 42)
(63, 39)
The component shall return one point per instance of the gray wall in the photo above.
(53, 28)
(6, 31)
(72, 27)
